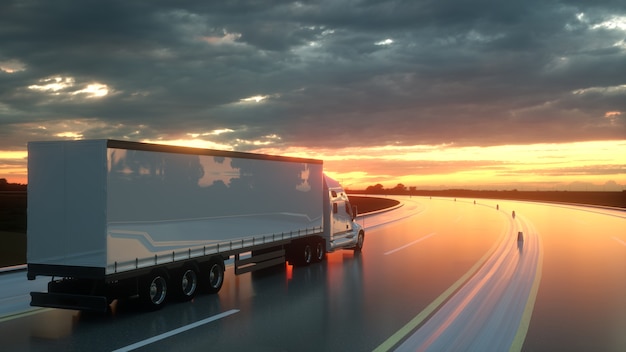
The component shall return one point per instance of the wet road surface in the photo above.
(434, 274)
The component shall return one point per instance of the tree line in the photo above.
(6, 186)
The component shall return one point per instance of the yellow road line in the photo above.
(411, 325)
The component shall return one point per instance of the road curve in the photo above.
(434, 274)
(487, 308)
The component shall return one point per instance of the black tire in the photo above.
(300, 253)
(319, 251)
(306, 253)
(214, 275)
(358, 247)
(187, 282)
(153, 290)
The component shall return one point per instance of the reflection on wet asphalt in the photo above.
(412, 256)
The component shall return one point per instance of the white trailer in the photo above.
(116, 218)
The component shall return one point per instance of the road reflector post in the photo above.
(520, 236)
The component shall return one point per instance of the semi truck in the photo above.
(109, 219)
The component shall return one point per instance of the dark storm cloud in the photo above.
(333, 73)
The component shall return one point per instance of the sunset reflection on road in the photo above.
(412, 257)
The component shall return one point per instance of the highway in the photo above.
(435, 274)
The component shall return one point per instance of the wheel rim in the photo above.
(157, 290)
(319, 251)
(308, 254)
(215, 276)
(189, 282)
(360, 241)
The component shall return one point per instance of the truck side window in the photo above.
(348, 209)
(333, 193)
(335, 208)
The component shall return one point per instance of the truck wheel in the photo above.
(215, 275)
(359, 242)
(306, 254)
(153, 290)
(319, 251)
(187, 283)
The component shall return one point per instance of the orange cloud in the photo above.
(612, 113)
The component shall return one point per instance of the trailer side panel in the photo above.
(164, 207)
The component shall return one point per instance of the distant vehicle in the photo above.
(111, 219)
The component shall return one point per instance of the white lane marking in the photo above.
(410, 244)
(619, 241)
(176, 331)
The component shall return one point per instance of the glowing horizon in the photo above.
(545, 166)
(592, 165)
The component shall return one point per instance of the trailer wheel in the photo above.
(319, 250)
(153, 290)
(187, 283)
(215, 275)
(359, 242)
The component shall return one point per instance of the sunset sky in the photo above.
(431, 94)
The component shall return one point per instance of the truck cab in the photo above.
(339, 226)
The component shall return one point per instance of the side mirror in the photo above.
(354, 212)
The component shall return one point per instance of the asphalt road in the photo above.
(434, 274)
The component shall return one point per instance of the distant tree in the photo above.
(378, 188)
(399, 188)
(6, 186)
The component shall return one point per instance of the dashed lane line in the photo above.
(176, 331)
(410, 244)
